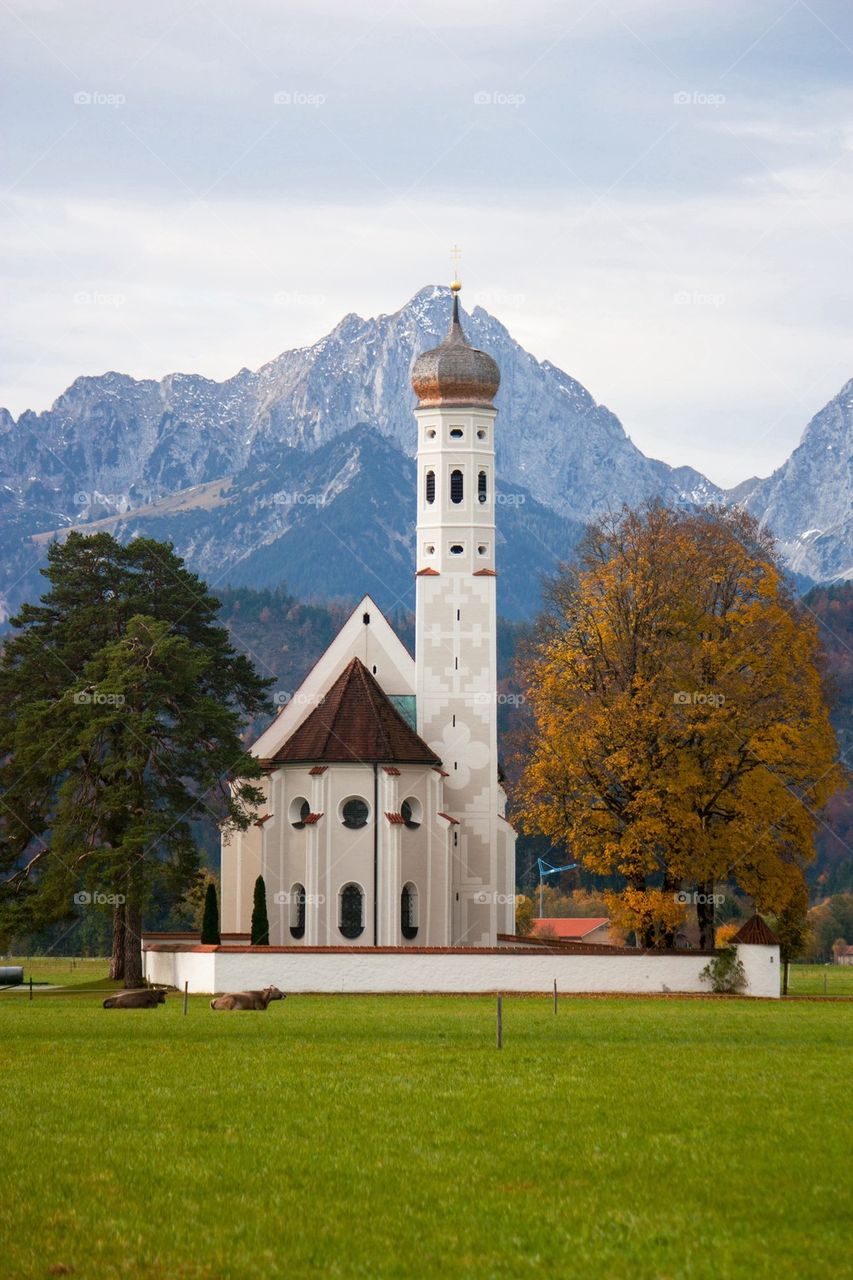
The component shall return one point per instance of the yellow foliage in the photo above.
(523, 915)
(680, 728)
(653, 914)
(724, 934)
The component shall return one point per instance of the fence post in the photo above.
(186, 996)
(31, 986)
(555, 997)
(500, 1022)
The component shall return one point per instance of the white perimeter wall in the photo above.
(363, 971)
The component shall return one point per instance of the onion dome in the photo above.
(455, 373)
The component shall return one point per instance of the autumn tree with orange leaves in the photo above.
(680, 734)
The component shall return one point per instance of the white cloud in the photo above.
(688, 262)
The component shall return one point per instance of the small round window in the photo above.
(354, 813)
(456, 549)
(299, 811)
(456, 433)
(411, 812)
(481, 433)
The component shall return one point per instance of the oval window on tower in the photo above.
(456, 549)
(482, 487)
(457, 486)
(456, 433)
(430, 486)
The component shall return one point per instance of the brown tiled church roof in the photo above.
(756, 933)
(355, 723)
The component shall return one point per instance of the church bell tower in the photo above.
(455, 651)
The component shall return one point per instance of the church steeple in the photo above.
(455, 373)
(455, 649)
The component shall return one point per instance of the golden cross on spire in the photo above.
(455, 255)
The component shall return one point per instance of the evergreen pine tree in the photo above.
(121, 708)
(210, 936)
(260, 920)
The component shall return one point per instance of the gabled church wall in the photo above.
(241, 864)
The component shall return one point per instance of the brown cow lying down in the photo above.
(248, 999)
(145, 998)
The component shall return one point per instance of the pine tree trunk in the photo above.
(117, 957)
(133, 947)
(705, 915)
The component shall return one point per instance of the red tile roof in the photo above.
(356, 722)
(317, 770)
(391, 770)
(396, 819)
(570, 926)
(756, 933)
(455, 821)
(311, 818)
(427, 573)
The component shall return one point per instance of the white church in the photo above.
(384, 818)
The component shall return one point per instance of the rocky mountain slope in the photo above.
(301, 472)
(808, 502)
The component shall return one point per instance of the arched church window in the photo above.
(411, 811)
(482, 487)
(297, 911)
(457, 486)
(430, 486)
(351, 918)
(299, 811)
(354, 813)
(409, 912)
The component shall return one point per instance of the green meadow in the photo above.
(387, 1136)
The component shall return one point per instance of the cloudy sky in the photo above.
(654, 194)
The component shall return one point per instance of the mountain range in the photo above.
(302, 472)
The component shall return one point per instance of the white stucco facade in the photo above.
(456, 659)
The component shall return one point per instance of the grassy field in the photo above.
(831, 980)
(386, 1136)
